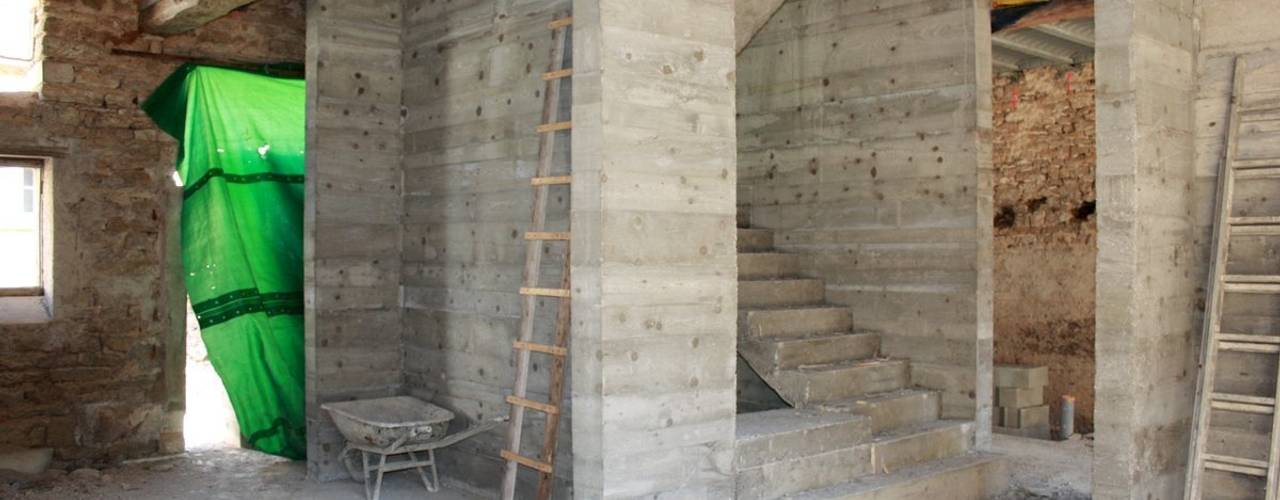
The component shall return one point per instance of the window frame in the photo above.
(42, 224)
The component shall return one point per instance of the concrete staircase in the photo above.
(858, 429)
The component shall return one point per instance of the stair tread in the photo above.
(798, 307)
(905, 475)
(816, 337)
(764, 424)
(857, 363)
(917, 429)
(878, 397)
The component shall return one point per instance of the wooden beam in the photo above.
(171, 17)
(1055, 12)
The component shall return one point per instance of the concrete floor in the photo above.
(1039, 469)
(214, 474)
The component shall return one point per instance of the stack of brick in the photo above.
(1020, 408)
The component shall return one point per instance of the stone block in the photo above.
(1018, 418)
(1026, 377)
(1017, 397)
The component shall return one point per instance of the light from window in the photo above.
(19, 227)
(19, 69)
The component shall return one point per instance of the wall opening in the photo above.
(19, 51)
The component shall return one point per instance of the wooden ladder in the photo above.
(529, 293)
(1209, 399)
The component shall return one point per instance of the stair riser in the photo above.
(790, 354)
(980, 481)
(918, 448)
(795, 323)
(780, 293)
(755, 266)
(801, 444)
(755, 240)
(775, 479)
(892, 414)
(826, 387)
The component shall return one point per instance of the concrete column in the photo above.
(352, 215)
(654, 259)
(1150, 261)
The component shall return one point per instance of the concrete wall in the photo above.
(1153, 207)
(352, 235)
(864, 139)
(1228, 29)
(654, 258)
(103, 380)
(473, 96)
(1043, 150)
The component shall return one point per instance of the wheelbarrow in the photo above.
(402, 425)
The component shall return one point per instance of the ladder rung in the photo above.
(1239, 164)
(1241, 398)
(1249, 347)
(1242, 404)
(553, 127)
(560, 73)
(542, 348)
(1267, 114)
(544, 235)
(529, 403)
(537, 465)
(560, 23)
(549, 181)
(1253, 221)
(545, 292)
(1252, 287)
(1258, 173)
(1254, 339)
(1238, 465)
(1251, 278)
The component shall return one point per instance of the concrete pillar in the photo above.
(654, 259)
(352, 213)
(1150, 263)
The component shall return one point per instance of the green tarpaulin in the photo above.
(241, 163)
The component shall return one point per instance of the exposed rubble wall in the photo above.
(1045, 228)
(102, 381)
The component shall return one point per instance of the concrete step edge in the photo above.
(932, 479)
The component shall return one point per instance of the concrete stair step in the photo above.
(972, 476)
(890, 411)
(755, 240)
(788, 434)
(765, 265)
(920, 443)
(780, 292)
(784, 478)
(795, 322)
(808, 387)
(822, 349)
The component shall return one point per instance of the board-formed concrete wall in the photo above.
(654, 258)
(473, 95)
(864, 140)
(352, 235)
(1153, 207)
(1229, 29)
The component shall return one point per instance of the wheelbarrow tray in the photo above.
(398, 421)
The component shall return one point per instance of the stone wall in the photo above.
(352, 215)
(102, 381)
(473, 96)
(863, 140)
(1045, 229)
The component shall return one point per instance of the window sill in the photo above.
(23, 310)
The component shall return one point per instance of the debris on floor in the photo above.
(1049, 470)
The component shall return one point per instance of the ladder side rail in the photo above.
(546, 481)
(1213, 313)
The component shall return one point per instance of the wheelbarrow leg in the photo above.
(364, 459)
(432, 485)
(382, 465)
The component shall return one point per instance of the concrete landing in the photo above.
(973, 476)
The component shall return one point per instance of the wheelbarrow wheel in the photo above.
(351, 460)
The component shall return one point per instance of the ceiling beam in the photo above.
(1029, 50)
(1055, 12)
(170, 17)
(750, 16)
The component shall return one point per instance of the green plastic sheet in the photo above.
(243, 137)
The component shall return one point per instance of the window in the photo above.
(19, 64)
(21, 224)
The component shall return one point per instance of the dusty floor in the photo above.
(1039, 469)
(211, 474)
